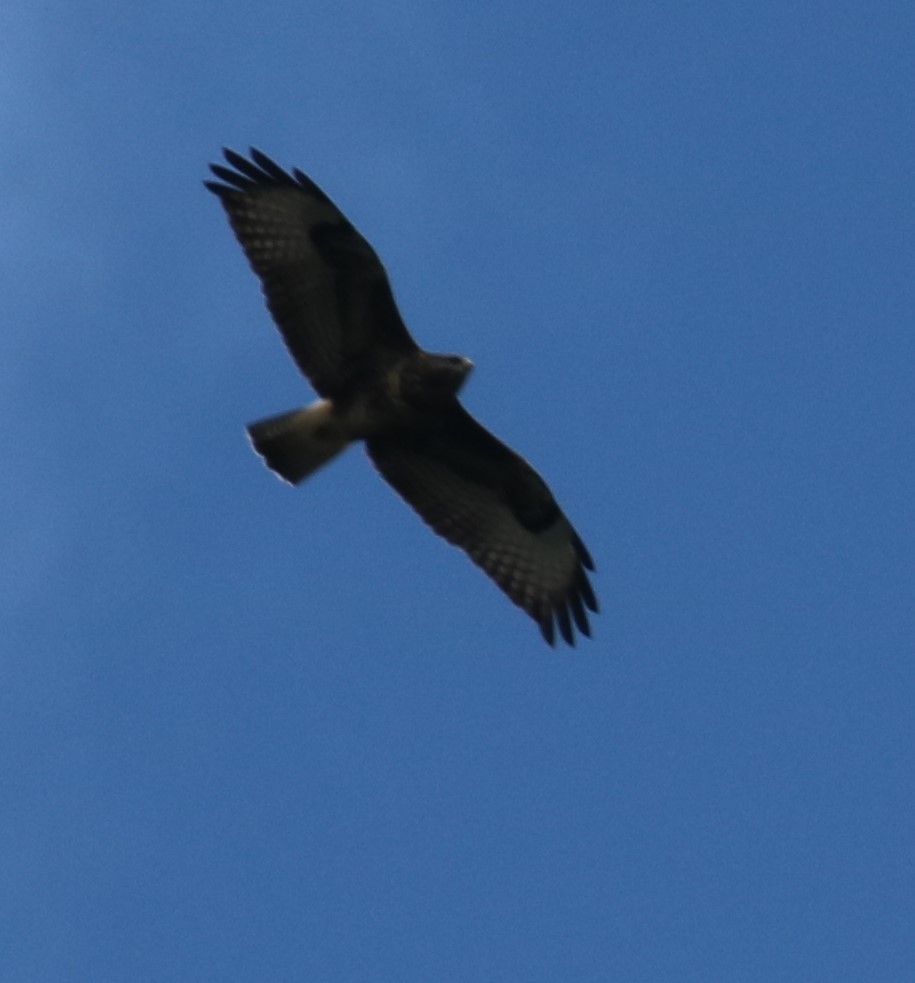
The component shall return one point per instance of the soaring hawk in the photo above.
(329, 296)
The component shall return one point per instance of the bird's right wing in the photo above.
(325, 286)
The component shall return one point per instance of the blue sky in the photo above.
(249, 732)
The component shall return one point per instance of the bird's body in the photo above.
(331, 300)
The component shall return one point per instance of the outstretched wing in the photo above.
(479, 495)
(324, 284)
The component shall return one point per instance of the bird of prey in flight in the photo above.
(330, 298)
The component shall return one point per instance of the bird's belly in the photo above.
(371, 414)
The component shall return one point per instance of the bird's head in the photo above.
(436, 378)
(448, 372)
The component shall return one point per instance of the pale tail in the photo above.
(296, 444)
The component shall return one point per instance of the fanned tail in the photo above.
(295, 444)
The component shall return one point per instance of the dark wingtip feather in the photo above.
(239, 162)
(233, 181)
(565, 624)
(570, 609)
(264, 162)
(579, 614)
(547, 628)
(583, 586)
(270, 168)
(568, 613)
(246, 174)
(260, 171)
(256, 174)
(582, 551)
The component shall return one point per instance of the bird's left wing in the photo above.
(479, 495)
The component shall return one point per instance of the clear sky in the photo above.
(250, 732)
